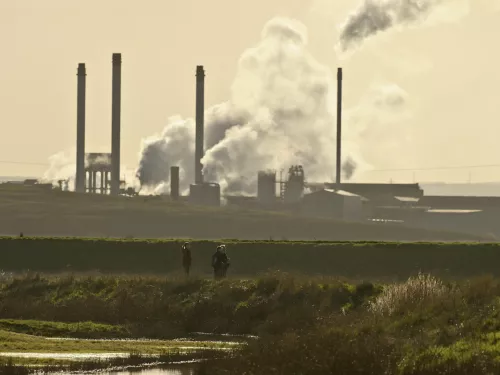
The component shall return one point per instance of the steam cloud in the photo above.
(375, 16)
(281, 112)
(62, 166)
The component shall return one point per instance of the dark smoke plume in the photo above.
(348, 168)
(374, 16)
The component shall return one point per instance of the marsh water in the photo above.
(172, 371)
(179, 371)
(179, 368)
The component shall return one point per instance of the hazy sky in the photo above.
(449, 70)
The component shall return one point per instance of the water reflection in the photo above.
(173, 371)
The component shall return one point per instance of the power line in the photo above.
(436, 168)
(22, 162)
(371, 170)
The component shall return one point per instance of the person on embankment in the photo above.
(220, 262)
(186, 257)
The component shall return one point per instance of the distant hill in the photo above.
(14, 178)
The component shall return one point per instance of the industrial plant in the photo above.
(100, 172)
(287, 190)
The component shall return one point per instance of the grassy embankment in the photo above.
(355, 260)
(307, 325)
(153, 307)
(54, 213)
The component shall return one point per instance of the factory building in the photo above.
(462, 202)
(206, 194)
(266, 188)
(404, 203)
(376, 192)
(337, 204)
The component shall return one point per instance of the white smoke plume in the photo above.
(62, 166)
(377, 127)
(375, 16)
(281, 112)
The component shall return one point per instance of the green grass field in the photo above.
(54, 213)
(356, 260)
(11, 342)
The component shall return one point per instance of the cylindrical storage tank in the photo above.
(174, 183)
(266, 187)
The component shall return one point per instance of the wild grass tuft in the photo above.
(405, 296)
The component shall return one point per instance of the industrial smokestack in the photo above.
(174, 183)
(80, 130)
(200, 110)
(115, 124)
(339, 126)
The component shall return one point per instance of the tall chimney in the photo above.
(80, 130)
(174, 183)
(200, 110)
(115, 124)
(339, 127)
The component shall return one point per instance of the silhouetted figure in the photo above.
(21, 235)
(220, 262)
(186, 257)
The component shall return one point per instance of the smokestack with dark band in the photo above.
(80, 130)
(200, 110)
(339, 126)
(115, 124)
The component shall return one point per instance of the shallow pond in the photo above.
(179, 371)
(185, 370)
(184, 345)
